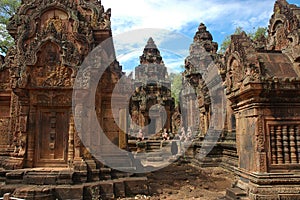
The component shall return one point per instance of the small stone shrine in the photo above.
(39, 144)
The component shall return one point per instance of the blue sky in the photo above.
(133, 21)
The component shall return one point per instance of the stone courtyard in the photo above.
(234, 135)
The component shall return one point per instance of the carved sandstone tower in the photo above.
(42, 148)
(52, 38)
(262, 83)
(151, 103)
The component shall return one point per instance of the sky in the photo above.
(173, 24)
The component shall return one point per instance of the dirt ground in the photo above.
(184, 181)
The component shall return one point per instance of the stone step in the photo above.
(14, 177)
(235, 193)
(116, 160)
(35, 192)
(155, 159)
(105, 173)
(109, 189)
(50, 177)
(122, 172)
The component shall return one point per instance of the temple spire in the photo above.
(204, 38)
(202, 34)
(151, 53)
(150, 44)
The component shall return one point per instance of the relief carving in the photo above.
(260, 138)
(4, 131)
(51, 76)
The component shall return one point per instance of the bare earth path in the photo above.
(184, 181)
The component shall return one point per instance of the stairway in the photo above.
(158, 153)
(153, 145)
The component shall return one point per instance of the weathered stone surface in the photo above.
(69, 192)
(34, 192)
(107, 190)
(138, 185)
(263, 89)
(151, 103)
(119, 188)
(260, 135)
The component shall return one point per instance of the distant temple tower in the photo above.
(151, 103)
(202, 54)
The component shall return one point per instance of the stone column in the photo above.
(123, 123)
(71, 140)
(31, 136)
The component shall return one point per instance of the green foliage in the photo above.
(226, 42)
(7, 9)
(176, 86)
(259, 32)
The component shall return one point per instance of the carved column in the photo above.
(285, 139)
(273, 144)
(292, 145)
(71, 140)
(279, 145)
(31, 136)
(123, 123)
(297, 133)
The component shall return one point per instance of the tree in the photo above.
(7, 9)
(259, 32)
(176, 86)
(226, 42)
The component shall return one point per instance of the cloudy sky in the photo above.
(173, 23)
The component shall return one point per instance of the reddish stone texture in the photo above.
(261, 132)
(151, 103)
(36, 84)
(261, 82)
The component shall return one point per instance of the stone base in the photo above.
(282, 192)
(34, 192)
(266, 186)
(235, 193)
(109, 189)
(211, 159)
(13, 163)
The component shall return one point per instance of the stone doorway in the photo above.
(51, 137)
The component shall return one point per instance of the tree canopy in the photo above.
(7, 9)
(176, 86)
(260, 31)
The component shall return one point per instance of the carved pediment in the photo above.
(51, 76)
(56, 35)
(284, 29)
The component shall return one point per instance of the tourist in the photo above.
(140, 136)
(165, 135)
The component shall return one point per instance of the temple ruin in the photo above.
(39, 143)
(151, 104)
(256, 134)
(260, 139)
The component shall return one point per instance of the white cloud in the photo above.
(175, 14)
(172, 45)
(153, 17)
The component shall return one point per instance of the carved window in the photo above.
(284, 144)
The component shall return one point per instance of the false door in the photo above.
(52, 137)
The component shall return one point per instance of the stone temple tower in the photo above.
(38, 132)
(151, 105)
